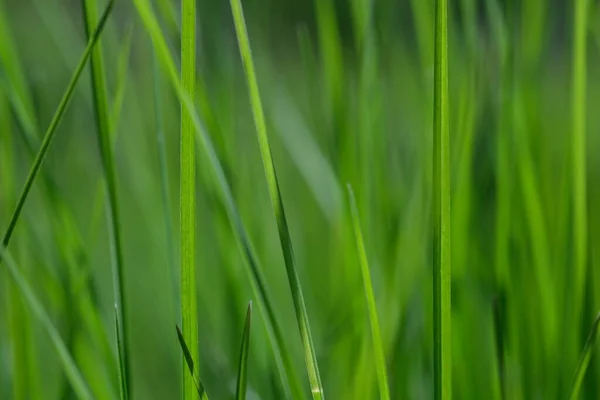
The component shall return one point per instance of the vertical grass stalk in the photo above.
(441, 208)
(187, 198)
(276, 200)
(240, 392)
(103, 122)
(384, 391)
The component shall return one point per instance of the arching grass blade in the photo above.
(384, 391)
(276, 200)
(40, 156)
(240, 393)
(189, 361)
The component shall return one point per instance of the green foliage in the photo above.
(242, 378)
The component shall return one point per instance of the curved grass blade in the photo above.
(276, 200)
(283, 357)
(189, 361)
(584, 360)
(123, 391)
(39, 158)
(75, 378)
(384, 390)
(100, 100)
(441, 209)
(240, 392)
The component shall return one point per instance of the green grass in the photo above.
(584, 360)
(380, 363)
(277, 202)
(346, 92)
(441, 209)
(242, 378)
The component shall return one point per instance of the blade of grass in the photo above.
(35, 306)
(278, 208)
(187, 195)
(100, 99)
(584, 360)
(384, 391)
(282, 355)
(123, 391)
(441, 209)
(121, 83)
(240, 393)
(189, 362)
(49, 135)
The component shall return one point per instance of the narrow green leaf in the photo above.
(240, 393)
(384, 391)
(189, 361)
(278, 208)
(100, 100)
(282, 355)
(121, 83)
(584, 360)
(123, 391)
(441, 209)
(39, 158)
(69, 366)
(187, 194)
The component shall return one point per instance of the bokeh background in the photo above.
(347, 87)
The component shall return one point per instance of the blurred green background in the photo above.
(347, 87)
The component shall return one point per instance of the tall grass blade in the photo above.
(123, 390)
(100, 100)
(240, 392)
(584, 360)
(187, 199)
(278, 208)
(384, 390)
(441, 209)
(49, 135)
(74, 376)
(282, 355)
(189, 362)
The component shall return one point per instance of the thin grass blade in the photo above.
(189, 361)
(40, 156)
(584, 360)
(73, 374)
(123, 391)
(276, 200)
(240, 393)
(282, 355)
(384, 390)
(441, 208)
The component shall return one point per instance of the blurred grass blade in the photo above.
(189, 361)
(384, 391)
(74, 376)
(441, 209)
(282, 355)
(121, 83)
(584, 360)
(100, 99)
(276, 200)
(187, 193)
(123, 390)
(240, 393)
(39, 158)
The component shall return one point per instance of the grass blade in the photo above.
(584, 360)
(39, 158)
(441, 209)
(123, 391)
(283, 357)
(278, 208)
(71, 370)
(100, 99)
(187, 199)
(384, 391)
(189, 361)
(240, 393)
